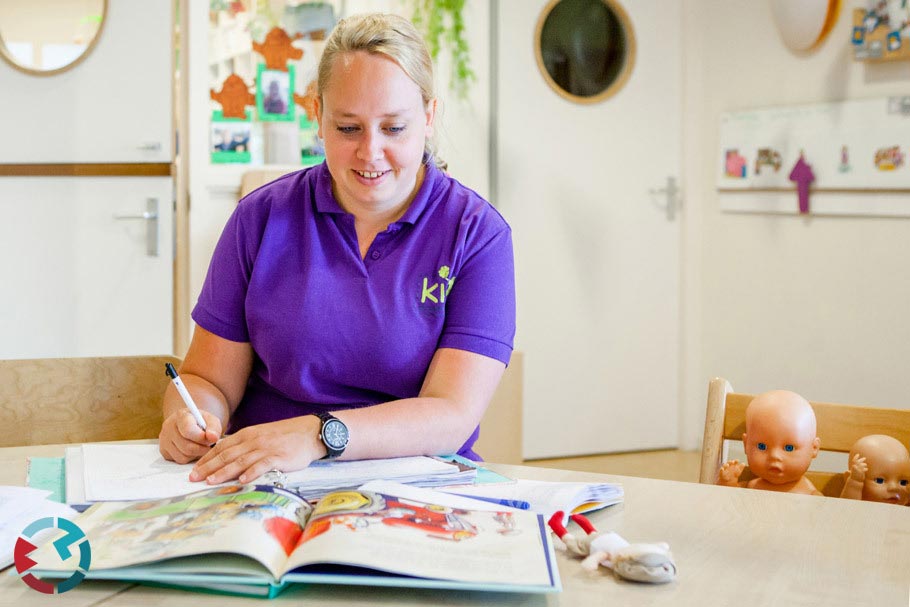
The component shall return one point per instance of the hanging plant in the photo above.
(442, 24)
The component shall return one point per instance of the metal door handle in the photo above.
(672, 193)
(151, 226)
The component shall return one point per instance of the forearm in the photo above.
(205, 394)
(412, 426)
(853, 489)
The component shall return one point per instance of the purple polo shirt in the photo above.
(331, 331)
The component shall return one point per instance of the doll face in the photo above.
(887, 480)
(779, 450)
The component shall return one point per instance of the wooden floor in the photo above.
(669, 464)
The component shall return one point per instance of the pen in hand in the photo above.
(181, 389)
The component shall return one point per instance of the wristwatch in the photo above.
(334, 435)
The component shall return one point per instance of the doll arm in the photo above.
(853, 486)
(729, 474)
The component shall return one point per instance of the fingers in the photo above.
(182, 440)
(225, 462)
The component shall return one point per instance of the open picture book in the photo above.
(256, 540)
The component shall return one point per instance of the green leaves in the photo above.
(442, 24)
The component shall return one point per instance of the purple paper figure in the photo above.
(802, 175)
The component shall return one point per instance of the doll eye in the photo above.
(903, 482)
(762, 447)
(788, 447)
(879, 480)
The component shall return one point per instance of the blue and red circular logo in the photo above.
(73, 537)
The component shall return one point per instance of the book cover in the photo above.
(255, 539)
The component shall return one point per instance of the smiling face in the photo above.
(375, 125)
(780, 440)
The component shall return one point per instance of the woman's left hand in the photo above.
(286, 445)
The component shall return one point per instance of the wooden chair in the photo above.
(69, 400)
(500, 429)
(839, 426)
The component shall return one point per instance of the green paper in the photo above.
(48, 473)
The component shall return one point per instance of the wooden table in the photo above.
(736, 547)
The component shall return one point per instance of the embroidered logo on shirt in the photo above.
(444, 286)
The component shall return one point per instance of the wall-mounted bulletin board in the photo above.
(858, 152)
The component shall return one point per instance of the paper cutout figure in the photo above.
(888, 159)
(277, 49)
(767, 157)
(844, 159)
(735, 164)
(234, 97)
(802, 175)
(308, 101)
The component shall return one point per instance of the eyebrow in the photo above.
(394, 114)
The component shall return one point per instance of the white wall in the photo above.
(818, 305)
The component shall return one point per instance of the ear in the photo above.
(744, 441)
(317, 108)
(431, 116)
(816, 444)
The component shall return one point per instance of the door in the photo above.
(89, 267)
(597, 250)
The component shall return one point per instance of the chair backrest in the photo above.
(500, 429)
(69, 400)
(838, 427)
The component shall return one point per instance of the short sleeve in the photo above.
(480, 311)
(221, 307)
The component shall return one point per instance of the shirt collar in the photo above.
(326, 203)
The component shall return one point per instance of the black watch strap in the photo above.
(334, 435)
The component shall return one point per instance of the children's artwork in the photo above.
(230, 138)
(889, 158)
(767, 157)
(277, 49)
(734, 164)
(881, 32)
(802, 176)
(274, 90)
(308, 100)
(233, 97)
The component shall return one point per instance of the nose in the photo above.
(370, 147)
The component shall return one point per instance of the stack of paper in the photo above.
(20, 507)
(549, 497)
(109, 472)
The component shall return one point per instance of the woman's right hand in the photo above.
(182, 440)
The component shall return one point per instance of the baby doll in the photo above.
(780, 443)
(638, 562)
(879, 471)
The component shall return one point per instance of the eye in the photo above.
(395, 130)
(788, 447)
(348, 130)
(879, 480)
(762, 447)
(903, 482)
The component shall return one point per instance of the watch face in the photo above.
(335, 434)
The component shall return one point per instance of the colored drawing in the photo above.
(767, 157)
(735, 164)
(888, 159)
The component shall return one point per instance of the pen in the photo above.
(187, 399)
(520, 504)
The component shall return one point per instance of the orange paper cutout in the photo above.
(234, 97)
(308, 101)
(277, 49)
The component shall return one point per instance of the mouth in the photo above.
(370, 174)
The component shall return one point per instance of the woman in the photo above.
(371, 295)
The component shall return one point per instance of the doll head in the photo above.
(780, 440)
(887, 469)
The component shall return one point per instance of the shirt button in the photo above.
(376, 254)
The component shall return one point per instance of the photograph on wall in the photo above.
(274, 90)
(230, 138)
(312, 150)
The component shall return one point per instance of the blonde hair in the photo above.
(389, 35)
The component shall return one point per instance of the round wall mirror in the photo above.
(585, 48)
(45, 37)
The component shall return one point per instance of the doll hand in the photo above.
(729, 473)
(858, 468)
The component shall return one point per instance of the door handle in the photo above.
(150, 216)
(672, 194)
